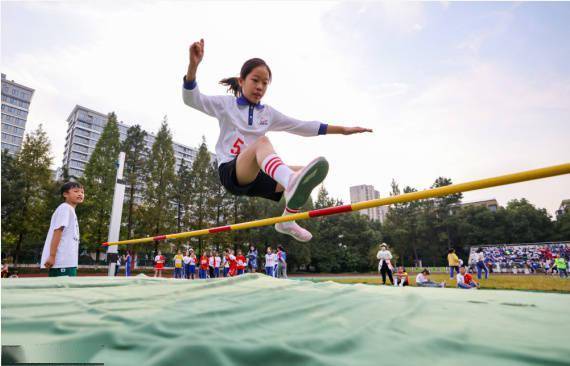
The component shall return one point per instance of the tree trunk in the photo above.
(18, 248)
(99, 237)
(21, 234)
(179, 217)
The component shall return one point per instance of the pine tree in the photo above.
(12, 183)
(443, 207)
(323, 199)
(99, 181)
(199, 211)
(32, 176)
(182, 195)
(136, 153)
(158, 212)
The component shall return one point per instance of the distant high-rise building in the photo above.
(491, 204)
(364, 193)
(16, 100)
(564, 208)
(84, 129)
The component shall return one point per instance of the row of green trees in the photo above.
(161, 198)
(423, 231)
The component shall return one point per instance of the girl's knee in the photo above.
(262, 140)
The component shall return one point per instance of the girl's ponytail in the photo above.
(233, 85)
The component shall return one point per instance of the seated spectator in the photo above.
(465, 280)
(401, 278)
(422, 280)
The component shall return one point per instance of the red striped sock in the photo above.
(290, 211)
(274, 167)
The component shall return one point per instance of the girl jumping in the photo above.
(248, 164)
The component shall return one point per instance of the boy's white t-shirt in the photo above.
(67, 254)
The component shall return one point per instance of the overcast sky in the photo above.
(462, 90)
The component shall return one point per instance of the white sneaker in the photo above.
(293, 229)
(302, 183)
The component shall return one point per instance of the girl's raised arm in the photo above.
(211, 105)
(196, 55)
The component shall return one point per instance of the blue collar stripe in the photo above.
(242, 101)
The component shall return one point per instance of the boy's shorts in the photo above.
(58, 272)
(263, 185)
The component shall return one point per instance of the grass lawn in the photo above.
(502, 282)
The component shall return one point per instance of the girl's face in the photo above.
(255, 84)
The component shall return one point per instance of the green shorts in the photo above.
(58, 272)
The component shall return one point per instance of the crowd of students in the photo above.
(60, 255)
(212, 264)
(527, 259)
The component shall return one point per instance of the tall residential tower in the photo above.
(84, 130)
(16, 100)
(364, 193)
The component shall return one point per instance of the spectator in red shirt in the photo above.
(241, 262)
(231, 259)
(465, 280)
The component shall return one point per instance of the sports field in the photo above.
(495, 282)
(250, 319)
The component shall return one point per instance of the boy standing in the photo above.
(178, 264)
(61, 249)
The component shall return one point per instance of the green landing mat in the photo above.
(258, 320)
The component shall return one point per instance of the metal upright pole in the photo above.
(116, 213)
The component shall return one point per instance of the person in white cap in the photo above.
(384, 265)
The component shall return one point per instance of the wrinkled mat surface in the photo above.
(257, 320)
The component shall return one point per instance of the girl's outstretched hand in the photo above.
(196, 52)
(353, 130)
